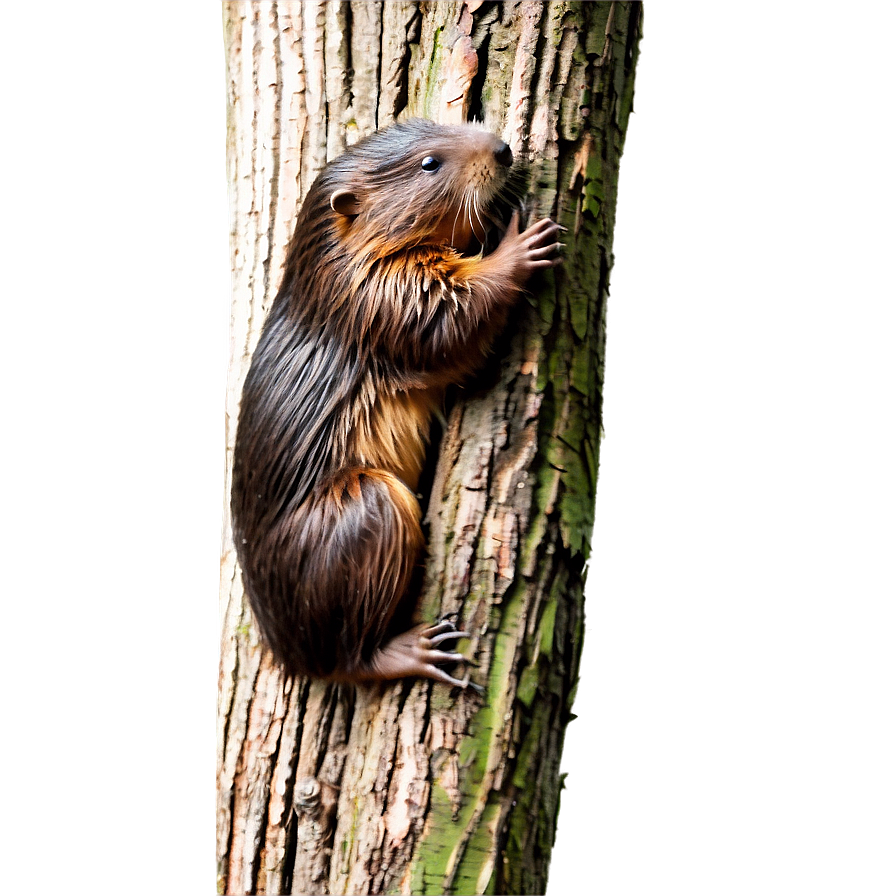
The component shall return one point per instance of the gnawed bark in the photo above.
(413, 787)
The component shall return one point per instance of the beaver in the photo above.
(382, 305)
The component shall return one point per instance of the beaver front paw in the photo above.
(533, 249)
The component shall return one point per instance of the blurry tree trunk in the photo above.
(414, 787)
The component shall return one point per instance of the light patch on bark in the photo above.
(463, 65)
(524, 65)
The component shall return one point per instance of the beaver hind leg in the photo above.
(361, 542)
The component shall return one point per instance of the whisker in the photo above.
(479, 219)
(454, 225)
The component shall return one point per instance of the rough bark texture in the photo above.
(414, 787)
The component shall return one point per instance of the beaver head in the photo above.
(416, 183)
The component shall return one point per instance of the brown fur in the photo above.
(378, 311)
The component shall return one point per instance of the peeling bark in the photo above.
(413, 787)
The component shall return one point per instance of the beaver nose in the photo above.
(503, 155)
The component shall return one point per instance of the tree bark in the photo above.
(413, 787)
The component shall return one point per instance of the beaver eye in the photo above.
(430, 164)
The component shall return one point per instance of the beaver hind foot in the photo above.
(415, 653)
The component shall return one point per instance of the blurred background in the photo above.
(736, 727)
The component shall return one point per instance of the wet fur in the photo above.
(376, 314)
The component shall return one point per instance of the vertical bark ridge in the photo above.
(270, 74)
(314, 95)
(337, 60)
(414, 787)
(320, 761)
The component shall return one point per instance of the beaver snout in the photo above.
(503, 155)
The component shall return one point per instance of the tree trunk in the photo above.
(413, 787)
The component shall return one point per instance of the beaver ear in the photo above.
(344, 202)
